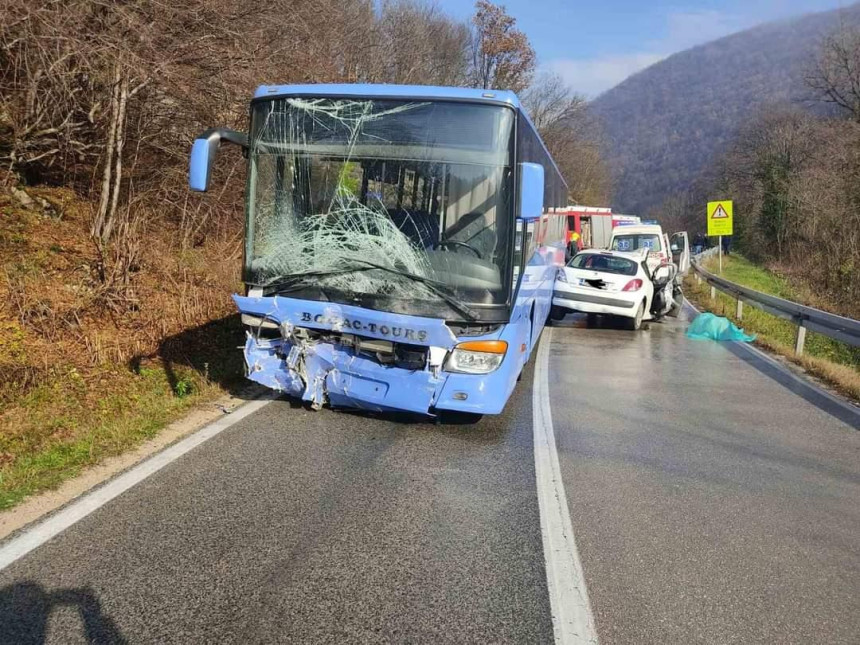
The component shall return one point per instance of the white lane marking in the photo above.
(57, 523)
(573, 622)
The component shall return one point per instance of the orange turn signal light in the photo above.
(487, 346)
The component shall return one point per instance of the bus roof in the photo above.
(365, 90)
(417, 92)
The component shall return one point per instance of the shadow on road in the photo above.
(214, 350)
(591, 321)
(210, 350)
(600, 321)
(25, 608)
(443, 417)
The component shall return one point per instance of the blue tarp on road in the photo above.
(707, 326)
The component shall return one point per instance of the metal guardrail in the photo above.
(839, 328)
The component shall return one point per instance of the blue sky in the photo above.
(597, 44)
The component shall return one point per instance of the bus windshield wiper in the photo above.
(438, 288)
(297, 281)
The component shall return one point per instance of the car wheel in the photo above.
(590, 320)
(635, 324)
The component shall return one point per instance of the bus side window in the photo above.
(518, 251)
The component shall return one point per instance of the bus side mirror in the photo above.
(531, 191)
(203, 153)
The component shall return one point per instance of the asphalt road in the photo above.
(711, 504)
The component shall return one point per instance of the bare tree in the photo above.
(502, 57)
(418, 44)
(834, 73)
(572, 136)
(549, 99)
(794, 178)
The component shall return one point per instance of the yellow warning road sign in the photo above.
(720, 218)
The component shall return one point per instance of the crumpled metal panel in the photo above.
(265, 366)
(355, 381)
(322, 373)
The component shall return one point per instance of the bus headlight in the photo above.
(477, 357)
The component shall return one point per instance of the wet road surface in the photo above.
(710, 503)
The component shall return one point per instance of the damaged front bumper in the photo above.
(326, 353)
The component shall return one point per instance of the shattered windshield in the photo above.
(422, 189)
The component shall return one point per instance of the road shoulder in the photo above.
(43, 504)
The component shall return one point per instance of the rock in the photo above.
(23, 198)
(35, 203)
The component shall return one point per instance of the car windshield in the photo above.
(636, 241)
(421, 188)
(604, 263)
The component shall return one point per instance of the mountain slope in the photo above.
(665, 124)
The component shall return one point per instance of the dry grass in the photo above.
(843, 378)
(89, 369)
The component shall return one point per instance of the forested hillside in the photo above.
(665, 124)
(793, 171)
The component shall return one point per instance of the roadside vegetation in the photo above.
(659, 146)
(793, 173)
(837, 364)
(115, 280)
(89, 368)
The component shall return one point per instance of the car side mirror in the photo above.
(203, 153)
(531, 191)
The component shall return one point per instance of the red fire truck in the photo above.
(590, 227)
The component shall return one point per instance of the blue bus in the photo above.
(399, 254)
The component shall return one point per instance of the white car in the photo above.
(611, 283)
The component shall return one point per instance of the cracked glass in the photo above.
(402, 206)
